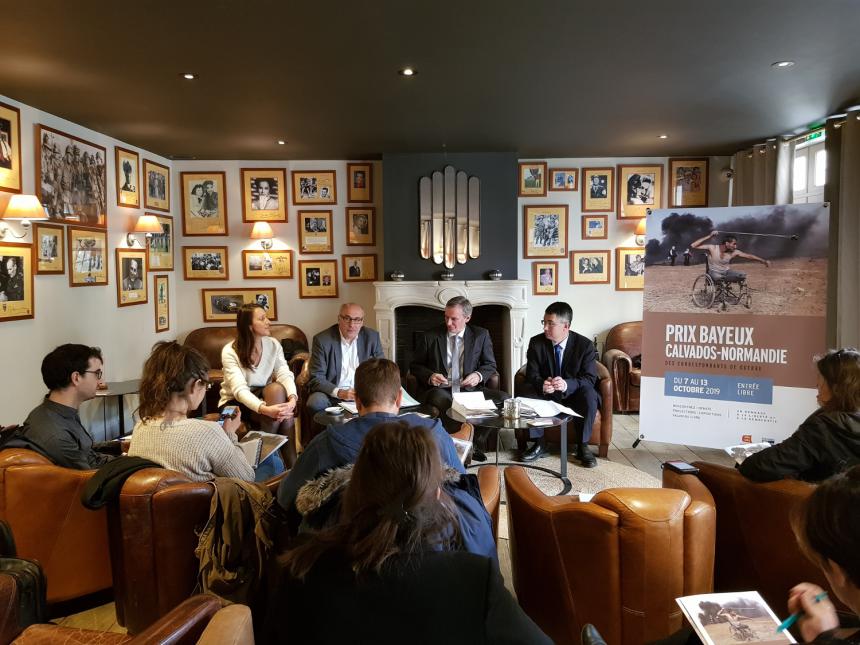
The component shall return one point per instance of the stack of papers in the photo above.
(473, 405)
(744, 450)
(545, 408)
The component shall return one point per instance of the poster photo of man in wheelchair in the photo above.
(769, 260)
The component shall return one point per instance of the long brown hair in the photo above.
(244, 343)
(167, 370)
(827, 524)
(390, 506)
(841, 370)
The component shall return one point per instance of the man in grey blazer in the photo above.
(335, 354)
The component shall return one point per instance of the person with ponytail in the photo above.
(389, 570)
(174, 382)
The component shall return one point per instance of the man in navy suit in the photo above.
(437, 368)
(561, 366)
(335, 355)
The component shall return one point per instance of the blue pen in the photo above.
(788, 622)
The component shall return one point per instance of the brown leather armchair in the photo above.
(153, 533)
(601, 432)
(623, 344)
(42, 504)
(755, 547)
(617, 562)
(200, 619)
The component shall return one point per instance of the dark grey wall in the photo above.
(498, 175)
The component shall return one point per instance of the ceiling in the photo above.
(547, 78)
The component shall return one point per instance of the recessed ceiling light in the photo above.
(281, 142)
(780, 64)
(662, 136)
(188, 76)
(407, 71)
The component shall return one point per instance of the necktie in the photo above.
(455, 363)
(558, 360)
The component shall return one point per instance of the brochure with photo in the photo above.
(729, 618)
(744, 450)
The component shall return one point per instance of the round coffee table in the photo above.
(498, 422)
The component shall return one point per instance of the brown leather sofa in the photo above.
(617, 562)
(623, 344)
(200, 619)
(755, 547)
(42, 504)
(601, 432)
(154, 531)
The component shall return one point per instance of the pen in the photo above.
(788, 622)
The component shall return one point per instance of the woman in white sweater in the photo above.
(174, 382)
(258, 379)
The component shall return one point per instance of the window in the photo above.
(810, 168)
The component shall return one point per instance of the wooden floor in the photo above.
(647, 457)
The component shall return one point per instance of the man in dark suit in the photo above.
(561, 366)
(475, 362)
(336, 353)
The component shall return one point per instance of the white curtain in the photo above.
(762, 174)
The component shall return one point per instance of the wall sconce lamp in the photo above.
(22, 208)
(640, 232)
(263, 231)
(148, 224)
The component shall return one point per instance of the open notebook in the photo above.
(258, 445)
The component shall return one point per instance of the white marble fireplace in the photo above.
(512, 294)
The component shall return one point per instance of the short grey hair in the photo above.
(462, 302)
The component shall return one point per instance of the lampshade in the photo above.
(640, 227)
(262, 231)
(24, 207)
(147, 224)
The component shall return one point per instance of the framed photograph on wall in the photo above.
(71, 178)
(594, 227)
(532, 176)
(204, 203)
(630, 268)
(127, 177)
(361, 226)
(277, 265)
(688, 182)
(221, 305)
(315, 234)
(545, 231)
(156, 180)
(563, 178)
(264, 197)
(317, 278)
(545, 278)
(161, 290)
(17, 299)
(639, 188)
(49, 241)
(131, 283)
(359, 268)
(160, 245)
(10, 149)
(205, 263)
(87, 257)
(598, 190)
(314, 187)
(590, 267)
(359, 183)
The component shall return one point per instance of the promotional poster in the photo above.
(734, 316)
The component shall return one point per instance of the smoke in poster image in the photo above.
(768, 260)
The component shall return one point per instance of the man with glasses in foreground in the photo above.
(335, 354)
(53, 429)
(561, 367)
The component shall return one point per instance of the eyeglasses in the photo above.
(349, 320)
(551, 323)
(207, 384)
(98, 373)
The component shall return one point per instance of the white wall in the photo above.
(311, 315)
(598, 307)
(87, 315)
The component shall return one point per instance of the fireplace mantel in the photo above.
(512, 294)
